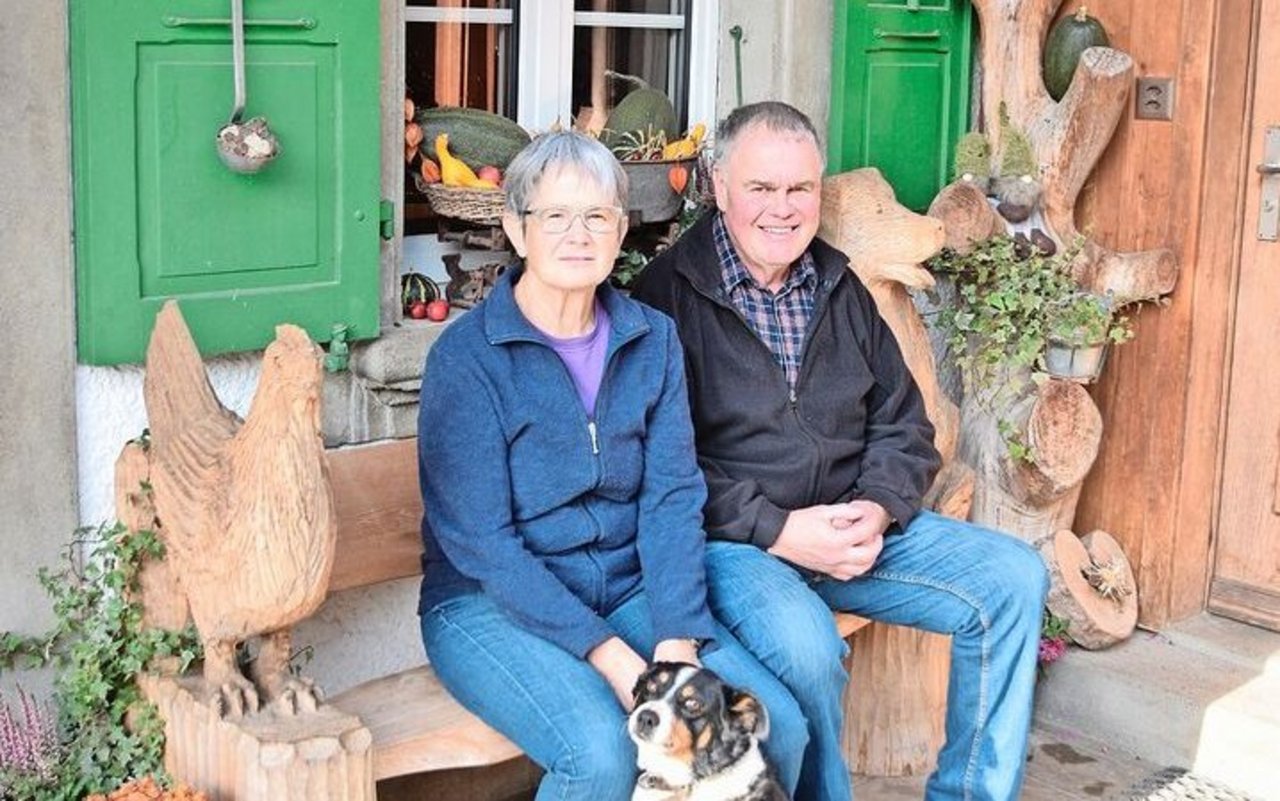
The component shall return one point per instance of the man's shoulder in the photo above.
(669, 272)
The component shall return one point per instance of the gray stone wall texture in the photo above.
(37, 305)
(786, 55)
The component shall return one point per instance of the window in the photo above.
(542, 62)
(461, 53)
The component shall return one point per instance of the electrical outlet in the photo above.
(1155, 99)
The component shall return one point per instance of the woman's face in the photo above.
(581, 256)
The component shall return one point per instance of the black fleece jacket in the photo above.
(854, 427)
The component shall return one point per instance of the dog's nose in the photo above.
(646, 721)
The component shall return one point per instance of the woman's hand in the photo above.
(620, 666)
(677, 651)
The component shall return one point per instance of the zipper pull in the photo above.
(595, 443)
(792, 397)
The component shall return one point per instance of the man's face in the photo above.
(770, 189)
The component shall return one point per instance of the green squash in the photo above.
(644, 111)
(1067, 40)
(477, 137)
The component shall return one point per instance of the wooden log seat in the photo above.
(415, 724)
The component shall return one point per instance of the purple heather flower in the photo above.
(29, 740)
(1052, 649)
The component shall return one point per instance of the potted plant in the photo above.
(1013, 302)
(1080, 325)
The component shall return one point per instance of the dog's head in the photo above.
(689, 725)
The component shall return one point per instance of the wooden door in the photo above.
(1246, 575)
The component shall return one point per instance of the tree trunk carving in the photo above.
(1067, 137)
(1057, 419)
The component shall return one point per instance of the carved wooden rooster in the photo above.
(246, 508)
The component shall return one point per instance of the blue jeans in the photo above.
(983, 588)
(562, 713)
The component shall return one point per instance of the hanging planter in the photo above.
(1079, 327)
(245, 146)
(1079, 363)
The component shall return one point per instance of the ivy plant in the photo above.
(1082, 319)
(98, 647)
(1010, 300)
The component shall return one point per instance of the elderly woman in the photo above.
(563, 525)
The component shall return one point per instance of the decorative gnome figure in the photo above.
(1017, 188)
(973, 161)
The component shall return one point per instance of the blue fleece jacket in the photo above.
(557, 514)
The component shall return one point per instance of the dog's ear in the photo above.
(638, 690)
(748, 715)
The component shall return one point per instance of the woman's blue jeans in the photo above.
(983, 588)
(562, 713)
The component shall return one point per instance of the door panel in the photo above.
(1246, 578)
(900, 91)
(158, 215)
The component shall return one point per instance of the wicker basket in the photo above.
(473, 205)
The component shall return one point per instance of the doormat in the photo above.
(1179, 784)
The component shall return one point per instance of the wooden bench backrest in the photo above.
(379, 509)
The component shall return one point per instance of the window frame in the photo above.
(543, 32)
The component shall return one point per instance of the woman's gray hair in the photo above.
(556, 151)
(772, 115)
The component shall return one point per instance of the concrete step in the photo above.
(1204, 695)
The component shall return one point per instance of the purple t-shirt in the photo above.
(584, 356)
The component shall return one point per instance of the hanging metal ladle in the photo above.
(245, 147)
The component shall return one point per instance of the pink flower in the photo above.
(28, 739)
(1052, 649)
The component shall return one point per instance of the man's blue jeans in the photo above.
(562, 712)
(984, 588)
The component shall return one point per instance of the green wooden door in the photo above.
(157, 214)
(900, 91)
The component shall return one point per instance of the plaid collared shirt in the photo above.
(780, 319)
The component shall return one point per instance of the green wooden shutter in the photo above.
(900, 91)
(158, 216)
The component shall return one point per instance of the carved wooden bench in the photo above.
(415, 724)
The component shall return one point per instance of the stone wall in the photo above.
(37, 396)
(786, 55)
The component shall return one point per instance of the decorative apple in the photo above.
(490, 173)
(437, 310)
(418, 310)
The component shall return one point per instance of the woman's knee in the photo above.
(596, 765)
(787, 735)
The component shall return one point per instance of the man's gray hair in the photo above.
(773, 115)
(562, 150)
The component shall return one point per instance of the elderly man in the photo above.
(814, 442)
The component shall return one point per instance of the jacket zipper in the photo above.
(793, 398)
(821, 302)
(724, 304)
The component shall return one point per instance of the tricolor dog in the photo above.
(698, 739)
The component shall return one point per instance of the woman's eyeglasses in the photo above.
(559, 219)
